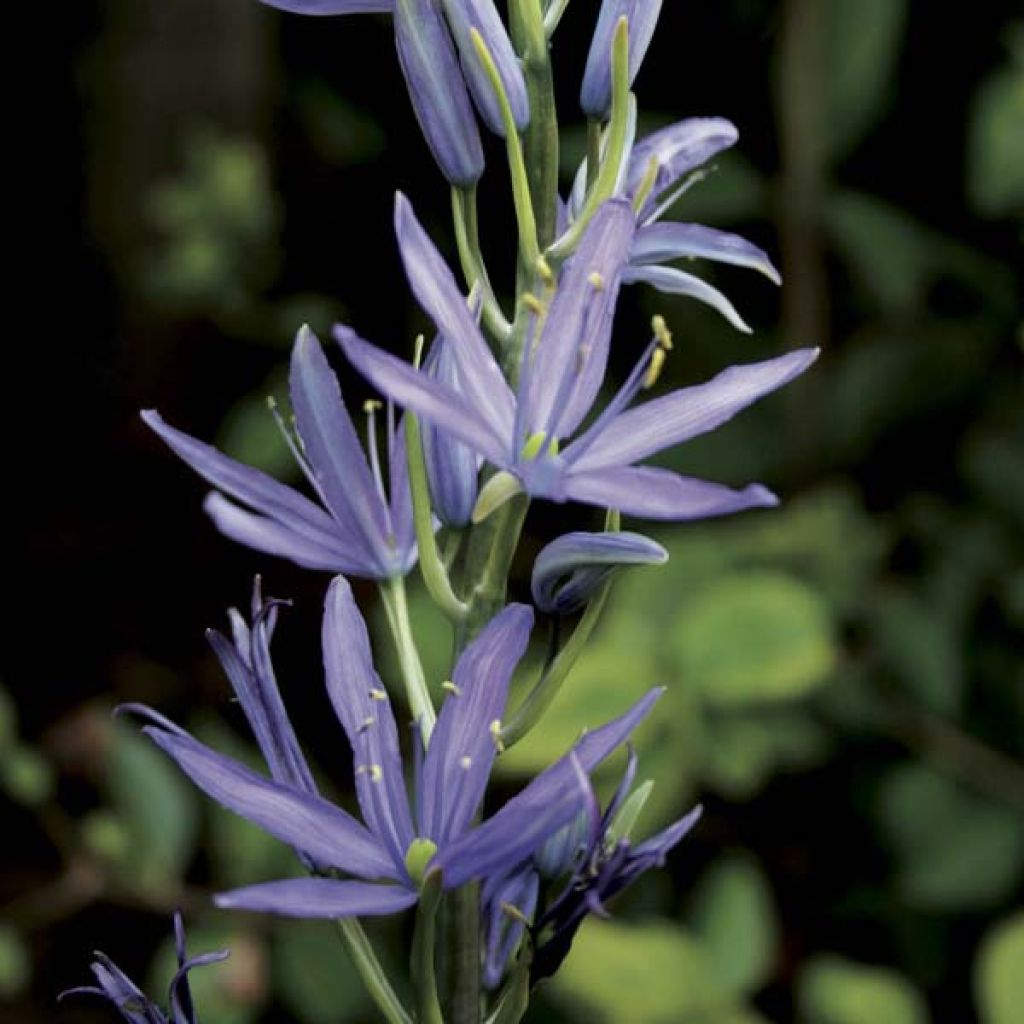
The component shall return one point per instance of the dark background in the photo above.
(204, 175)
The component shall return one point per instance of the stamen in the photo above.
(544, 272)
(596, 281)
(465, 762)
(511, 910)
(647, 184)
(654, 370)
(661, 332)
(375, 771)
(495, 731)
(449, 687)
(366, 723)
(376, 694)
(294, 446)
(370, 407)
(417, 351)
(533, 304)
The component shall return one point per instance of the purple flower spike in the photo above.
(355, 529)
(596, 94)
(570, 570)
(136, 1008)
(525, 433)
(437, 90)
(376, 856)
(482, 15)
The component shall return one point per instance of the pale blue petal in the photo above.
(677, 282)
(671, 240)
(318, 897)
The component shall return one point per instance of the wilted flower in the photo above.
(642, 17)
(390, 854)
(562, 371)
(136, 1008)
(357, 529)
(573, 567)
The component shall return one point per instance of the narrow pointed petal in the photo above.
(677, 150)
(572, 354)
(182, 1009)
(661, 843)
(324, 832)
(677, 282)
(274, 538)
(653, 493)
(437, 90)
(464, 15)
(437, 403)
(596, 94)
(671, 240)
(548, 803)
(689, 412)
(452, 467)
(481, 379)
(400, 503)
(364, 710)
(570, 570)
(462, 747)
(334, 449)
(318, 897)
(328, 7)
(250, 486)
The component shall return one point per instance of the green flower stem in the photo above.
(474, 269)
(396, 605)
(466, 996)
(604, 183)
(553, 15)
(541, 140)
(554, 674)
(529, 249)
(514, 1000)
(371, 971)
(431, 567)
(424, 977)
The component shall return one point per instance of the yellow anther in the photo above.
(511, 910)
(533, 304)
(367, 723)
(654, 370)
(449, 687)
(371, 405)
(465, 762)
(544, 271)
(596, 281)
(647, 184)
(495, 731)
(271, 402)
(376, 694)
(661, 332)
(375, 771)
(417, 351)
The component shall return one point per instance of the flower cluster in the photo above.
(504, 409)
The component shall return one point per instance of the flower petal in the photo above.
(653, 493)
(568, 366)
(504, 931)
(332, 445)
(251, 486)
(327, 7)
(671, 240)
(364, 710)
(462, 748)
(318, 897)
(550, 801)
(689, 412)
(436, 402)
(308, 823)
(588, 560)
(672, 281)
(438, 90)
(435, 289)
(274, 538)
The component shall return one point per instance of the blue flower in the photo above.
(524, 432)
(432, 72)
(642, 16)
(116, 987)
(597, 860)
(384, 858)
(356, 529)
(657, 171)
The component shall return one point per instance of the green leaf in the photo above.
(644, 974)
(15, 963)
(954, 850)
(864, 39)
(921, 647)
(998, 973)
(995, 168)
(314, 976)
(837, 991)
(157, 805)
(26, 776)
(735, 918)
(754, 638)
